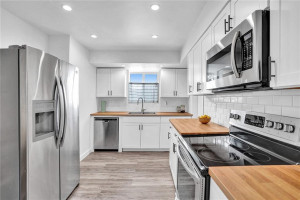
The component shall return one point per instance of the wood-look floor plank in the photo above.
(125, 176)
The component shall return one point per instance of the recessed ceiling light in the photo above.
(67, 7)
(155, 7)
(94, 36)
(154, 36)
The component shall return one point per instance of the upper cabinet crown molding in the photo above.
(111, 82)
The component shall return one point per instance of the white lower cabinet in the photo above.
(131, 137)
(146, 133)
(215, 192)
(173, 160)
(164, 137)
(150, 136)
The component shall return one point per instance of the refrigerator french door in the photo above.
(41, 128)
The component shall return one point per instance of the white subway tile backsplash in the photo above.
(234, 99)
(283, 100)
(252, 100)
(294, 92)
(296, 101)
(275, 110)
(258, 108)
(291, 112)
(266, 100)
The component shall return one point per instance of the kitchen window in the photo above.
(143, 85)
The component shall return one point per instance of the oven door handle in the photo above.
(193, 174)
(233, 63)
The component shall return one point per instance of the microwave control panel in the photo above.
(247, 50)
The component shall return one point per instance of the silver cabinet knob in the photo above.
(289, 128)
(279, 126)
(270, 124)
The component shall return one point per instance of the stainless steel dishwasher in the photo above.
(106, 134)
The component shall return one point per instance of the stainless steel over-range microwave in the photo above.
(240, 61)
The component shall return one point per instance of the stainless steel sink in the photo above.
(140, 113)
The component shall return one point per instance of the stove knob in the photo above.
(279, 126)
(236, 116)
(289, 128)
(269, 124)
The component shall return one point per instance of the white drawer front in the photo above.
(146, 120)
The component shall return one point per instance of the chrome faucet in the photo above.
(142, 110)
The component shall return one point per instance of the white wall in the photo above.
(164, 105)
(79, 56)
(99, 58)
(15, 31)
(207, 15)
(279, 102)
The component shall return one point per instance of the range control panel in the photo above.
(283, 127)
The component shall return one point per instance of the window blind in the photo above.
(148, 91)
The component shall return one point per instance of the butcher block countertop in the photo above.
(276, 182)
(194, 127)
(127, 114)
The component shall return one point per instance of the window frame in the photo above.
(143, 81)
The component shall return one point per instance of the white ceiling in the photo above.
(120, 25)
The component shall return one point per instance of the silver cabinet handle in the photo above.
(168, 135)
(107, 92)
(139, 127)
(142, 127)
(176, 93)
(111, 93)
(270, 68)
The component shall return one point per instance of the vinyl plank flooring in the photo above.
(125, 176)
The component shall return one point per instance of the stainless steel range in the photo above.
(254, 139)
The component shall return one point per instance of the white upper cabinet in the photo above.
(181, 83)
(118, 82)
(103, 82)
(173, 82)
(222, 24)
(190, 73)
(168, 82)
(285, 43)
(111, 82)
(241, 9)
(197, 68)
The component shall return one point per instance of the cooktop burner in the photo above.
(257, 156)
(217, 155)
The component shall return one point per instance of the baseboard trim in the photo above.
(85, 154)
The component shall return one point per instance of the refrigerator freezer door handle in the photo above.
(65, 113)
(61, 110)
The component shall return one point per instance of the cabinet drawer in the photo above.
(165, 120)
(145, 120)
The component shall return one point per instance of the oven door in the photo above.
(190, 183)
(236, 60)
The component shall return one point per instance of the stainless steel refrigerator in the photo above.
(39, 131)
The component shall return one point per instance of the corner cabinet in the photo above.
(285, 43)
(173, 83)
(111, 82)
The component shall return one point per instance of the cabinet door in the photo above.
(285, 43)
(164, 138)
(241, 9)
(118, 82)
(103, 82)
(190, 74)
(181, 83)
(206, 44)
(168, 82)
(218, 26)
(197, 67)
(150, 136)
(131, 136)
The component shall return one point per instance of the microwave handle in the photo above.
(233, 64)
